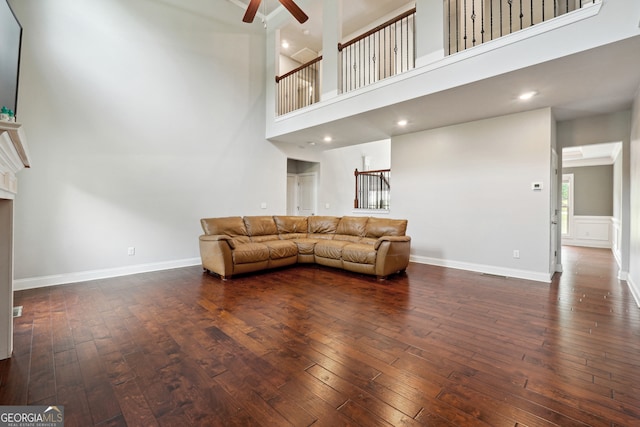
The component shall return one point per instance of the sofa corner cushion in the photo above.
(305, 246)
(378, 227)
(323, 224)
(352, 225)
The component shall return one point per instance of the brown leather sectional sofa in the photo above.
(369, 245)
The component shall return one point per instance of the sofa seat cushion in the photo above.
(360, 253)
(306, 246)
(330, 248)
(246, 253)
(281, 249)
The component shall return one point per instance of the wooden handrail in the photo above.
(371, 172)
(295, 70)
(408, 13)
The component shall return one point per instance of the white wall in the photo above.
(337, 186)
(141, 118)
(466, 191)
(634, 257)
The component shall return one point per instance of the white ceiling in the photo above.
(591, 155)
(598, 81)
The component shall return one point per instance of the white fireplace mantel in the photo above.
(13, 158)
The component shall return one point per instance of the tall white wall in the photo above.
(634, 257)
(142, 117)
(466, 191)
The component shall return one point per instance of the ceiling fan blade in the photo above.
(295, 10)
(251, 11)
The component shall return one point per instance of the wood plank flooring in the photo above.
(315, 346)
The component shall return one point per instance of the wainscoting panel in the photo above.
(591, 231)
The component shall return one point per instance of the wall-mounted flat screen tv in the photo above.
(10, 41)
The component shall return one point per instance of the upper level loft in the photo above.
(421, 51)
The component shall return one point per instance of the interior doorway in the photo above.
(592, 197)
(302, 187)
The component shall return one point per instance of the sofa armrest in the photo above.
(391, 239)
(216, 254)
(392, 254)
(218, 237)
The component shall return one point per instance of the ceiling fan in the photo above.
(288, 4)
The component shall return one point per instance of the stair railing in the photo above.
(373, 189)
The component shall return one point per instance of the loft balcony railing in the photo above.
(373, 189)
(299, 87)
(389, 49)
(473, 22)
(381, 52)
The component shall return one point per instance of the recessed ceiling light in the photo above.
(527, 95)
(285, 44)
(328, 139)
(402, 122)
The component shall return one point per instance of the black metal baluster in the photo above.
(482, 21)
(501, 22)
(510, 16)
(491, 19)
(449, 26)
(521, 14)
(473, 22)
(465, 24)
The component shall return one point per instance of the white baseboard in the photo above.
(84, 276)
(635, 290)
(486, 269)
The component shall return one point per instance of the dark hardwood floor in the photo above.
(316, 346)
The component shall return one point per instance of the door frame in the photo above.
(295, 205)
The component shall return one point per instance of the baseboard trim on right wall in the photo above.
(635, 290)
(486, 269)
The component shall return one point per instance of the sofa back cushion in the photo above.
(377, 227)
(323, 226)
(292, 227)
(232, 226)
(261, 228)
(352, 226)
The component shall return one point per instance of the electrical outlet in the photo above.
(516, 253)
(131, 251)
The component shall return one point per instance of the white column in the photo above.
(272, 65)
(331, 35)
(430, 30)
